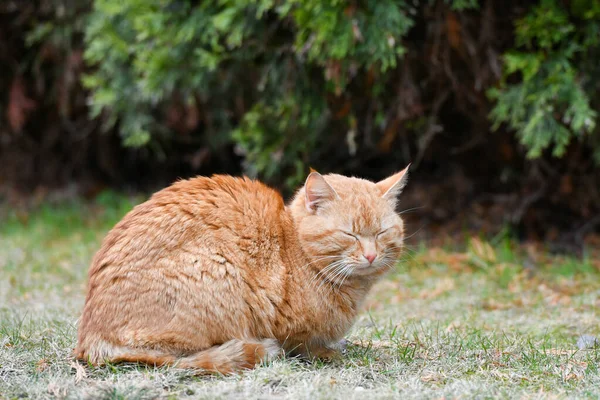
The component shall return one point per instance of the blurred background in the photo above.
(495, 103)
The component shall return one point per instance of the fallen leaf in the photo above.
(482, 250)
(41, 365)
(79, 371)
(55, 390)
(443, 286)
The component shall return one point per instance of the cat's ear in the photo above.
(392, 186)
(317, 191)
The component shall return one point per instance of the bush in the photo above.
(262, 73)
(556, 67)
(268, 74)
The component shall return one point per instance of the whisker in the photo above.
(332, 272)
(325, 272)
(406, 254)
(322, 258)
(410, 209)
(322, 273)
(313, 280)
(332, 276)
(330, 267)
(414, 233)
(347, 273)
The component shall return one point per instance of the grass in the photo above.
(492, 320)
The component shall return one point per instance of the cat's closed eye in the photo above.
(382, 232)
(350, 235)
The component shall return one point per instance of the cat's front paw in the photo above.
(342, 345)
(326, 354)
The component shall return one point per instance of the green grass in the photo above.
(493, 320)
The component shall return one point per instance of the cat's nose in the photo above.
(370, 257)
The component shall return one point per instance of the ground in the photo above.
(489, 319)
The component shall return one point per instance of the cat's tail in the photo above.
(232, 356)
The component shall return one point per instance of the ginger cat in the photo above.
(218, 274)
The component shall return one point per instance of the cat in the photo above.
(218, 274)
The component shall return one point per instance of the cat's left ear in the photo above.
(392, 186)
(317, 191)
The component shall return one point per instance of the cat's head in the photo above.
(349, 226)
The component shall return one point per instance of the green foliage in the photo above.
(336, 30)
(462, 4)
(286, 82)
(552, 101)
(214, 53)
(267, 150)
(263, 72)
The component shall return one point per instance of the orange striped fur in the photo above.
(218, 274)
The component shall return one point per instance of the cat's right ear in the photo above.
(317, 191)
(391, 187)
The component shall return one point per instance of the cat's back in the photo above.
(221, 212)
(236, 202)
